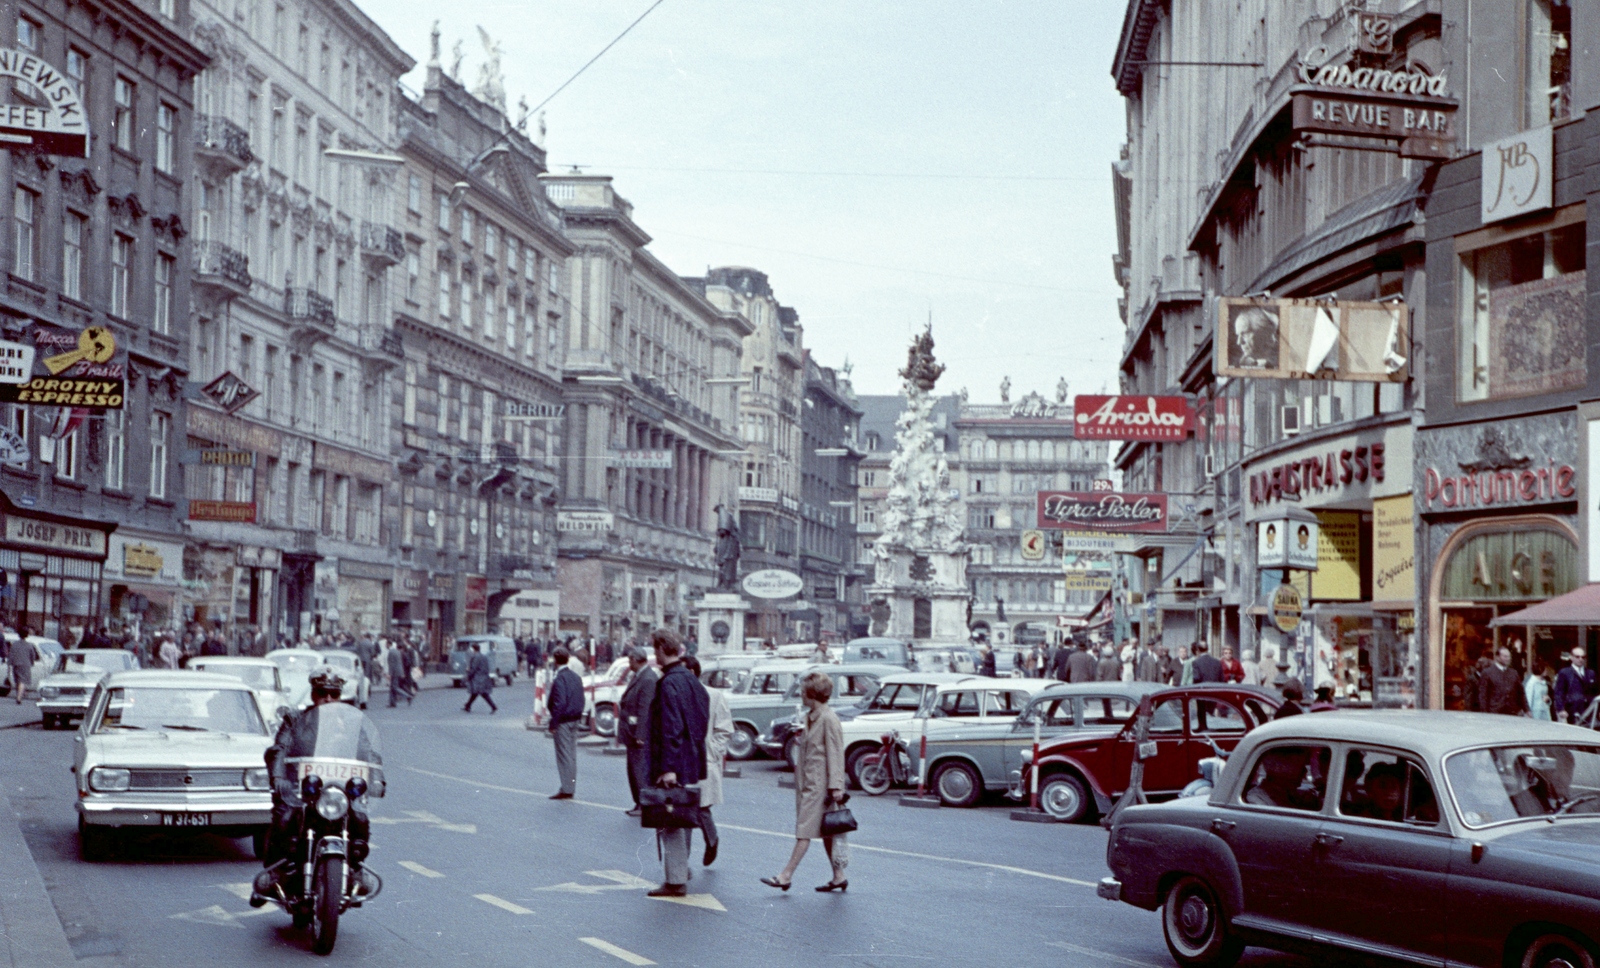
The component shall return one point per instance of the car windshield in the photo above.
(198, 710)
(1514, 782)
(301, 662)
(901, 696)
(254, 676)
(105, 660)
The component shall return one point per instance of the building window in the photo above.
(169, 9)
(28, 40)
(161, 319)
(121, 259)
(78, 71)
(166, 122)
(1521, 306)
(122, 115)
(26, 238)
(442, 424)
(409, 406)
(1549, 59)
(491, 240)
(160, 427)
(467, 226)
(413, 271)
(555, 280)
(414, 195)
(980, 518)
(116, 435)
(444, 289)
(468, 321)
(72, 229)
(67, 457)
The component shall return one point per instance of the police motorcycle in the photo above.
(325, 764)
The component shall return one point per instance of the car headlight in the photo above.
(333, 804)
(257, 779)
(109, 779)
(49, 692)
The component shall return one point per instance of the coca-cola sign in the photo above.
(1099, 511)
(1131, 418)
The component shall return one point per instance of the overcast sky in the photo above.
(804, 139)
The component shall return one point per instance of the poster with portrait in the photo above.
(1293, 339)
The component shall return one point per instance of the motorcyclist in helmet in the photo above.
(296, 737)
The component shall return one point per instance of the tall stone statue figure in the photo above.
(727, 550)
(1061, 391)
(491, 87)
(1005, 390)
(433, 45)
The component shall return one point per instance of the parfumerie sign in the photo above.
(60, 126)
(1098, 511)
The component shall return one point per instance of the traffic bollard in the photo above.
(1033, 814)
(921, 798)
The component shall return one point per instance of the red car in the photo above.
(1083, 775)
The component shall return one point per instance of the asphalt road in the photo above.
(480, 868)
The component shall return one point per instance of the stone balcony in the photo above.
(221, 271)
(311, 317)
(382, 245)
(220, 146)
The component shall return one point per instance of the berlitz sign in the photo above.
(1079, 511)
(1131, 418)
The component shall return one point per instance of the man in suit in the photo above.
(566, 709)
(677, 747)
(1206, 668)
(1576, 687)
(1500, 687)
(1080, 664)
(633, 721)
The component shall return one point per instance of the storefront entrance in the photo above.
(1491, 570)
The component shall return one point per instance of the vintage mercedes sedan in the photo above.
(64, 693)
(1421, 837)
(171, 749)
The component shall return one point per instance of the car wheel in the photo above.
(742, 744)
(1558, 950)
(258, 844)
(1063, 797)
(95, 843)
(958, 785)
(605, 719)
(791, 754)
(1196, 927)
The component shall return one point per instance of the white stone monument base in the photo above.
(721, 607)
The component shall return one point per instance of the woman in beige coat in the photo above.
(818, 784)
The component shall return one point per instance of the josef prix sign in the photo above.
(1099, 511)
(1131, 418)
(1292, 480)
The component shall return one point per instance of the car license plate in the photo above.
(186, 820)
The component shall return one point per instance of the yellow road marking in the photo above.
(786, 835)
(696, 900)
(417, 868)
(502, 904)
(617, 952)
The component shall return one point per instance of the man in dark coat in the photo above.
(566, 709)
(1060, 662)
(1080, 664)
(1576, 687)
(399, 676)
(1207, 668)
(633, 722)
(986, 662)
(678, 720)
(480, 680)
(1500, 687)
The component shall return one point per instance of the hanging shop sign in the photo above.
(1332, 471)
(13, 447)
(1288, 542)
(1032, 545)
(16, 362)
(1131, 418)
(1286, 609)
(219, 457)
(1105, 542)
(1295, 339)
(772, 583)
(229, 392)
(35, 533)
(1517, 175)
(1418, 126)
(238, 512)
(1394, 551)
(141, 561)
(59, 126)
(590, 521)
(651, 459)
(70, 368)
(1101, 512)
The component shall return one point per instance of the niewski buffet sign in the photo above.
(1102, 511)
(1131, 418)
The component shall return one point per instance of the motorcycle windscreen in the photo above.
(337, 742)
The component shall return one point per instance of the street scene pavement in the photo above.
(479, 867)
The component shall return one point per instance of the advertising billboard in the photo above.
(1102, 511)
(1296, 339)
(1131, 418)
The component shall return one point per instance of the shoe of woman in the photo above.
(774, 882)
(839, 886)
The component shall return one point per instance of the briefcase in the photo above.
(669, 807)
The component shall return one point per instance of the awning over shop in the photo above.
(1572, 610)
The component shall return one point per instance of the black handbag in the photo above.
(838, 819)
(669, 807)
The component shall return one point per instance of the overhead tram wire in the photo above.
(596, 57)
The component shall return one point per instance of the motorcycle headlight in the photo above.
(333, 804)
(49, 692)
(257, 779)
(107, 779)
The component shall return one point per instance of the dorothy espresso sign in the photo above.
(1102, 511)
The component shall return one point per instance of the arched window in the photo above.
(1048, 450)
(991, 450)
(1033, 450)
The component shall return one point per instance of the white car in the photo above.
(602, 696)
(46, 649)
(295, 667)
(357, 687)
(171, 749)
(64, 693)
(261, 675)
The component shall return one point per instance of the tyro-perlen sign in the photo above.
(1098, 511)
(1131, 418)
